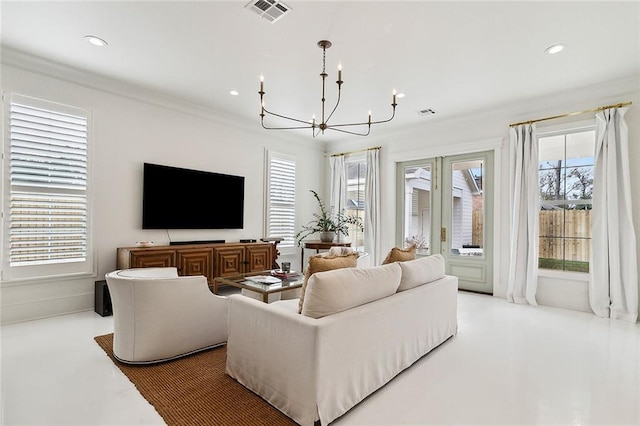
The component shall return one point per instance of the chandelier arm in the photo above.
(364, 123)
(286, 128)
(350, 132)
(388, 119)
(287, 118)
(335, 107)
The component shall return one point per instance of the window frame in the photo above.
(284, 247)
(55, 270)
(558, 130)
(359, 158)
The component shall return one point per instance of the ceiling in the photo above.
(451, 57)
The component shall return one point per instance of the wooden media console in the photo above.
(209, 259)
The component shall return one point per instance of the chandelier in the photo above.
(324, 124)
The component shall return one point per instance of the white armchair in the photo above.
(159, 316)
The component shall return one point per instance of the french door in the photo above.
(445, 205)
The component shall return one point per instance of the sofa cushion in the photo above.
(421, 271)
(335, 291)
(397, 254)
(321, 263)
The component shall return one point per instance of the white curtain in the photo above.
(338, 188)
(613, 290)
(372, 206)
(523, 265)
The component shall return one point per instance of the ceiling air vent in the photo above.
(271, 10)
(427, 111)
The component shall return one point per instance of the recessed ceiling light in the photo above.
(400, 95)
(96, 41)
(234, 93)
(556, 48)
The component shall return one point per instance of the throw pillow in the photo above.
(335, 291)
(400, 255)
(321, 263)
(421, 271)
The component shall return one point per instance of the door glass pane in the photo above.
(466, 231)
(417, 207)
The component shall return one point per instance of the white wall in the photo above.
(489, 129)
(131, 127)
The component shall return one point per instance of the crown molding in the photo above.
(46, 67)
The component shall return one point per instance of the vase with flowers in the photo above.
(328, 223)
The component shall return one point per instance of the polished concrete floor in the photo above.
(508, 365)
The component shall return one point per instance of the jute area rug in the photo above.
(195, 390)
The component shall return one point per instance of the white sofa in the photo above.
(318, 368)
(159, 316)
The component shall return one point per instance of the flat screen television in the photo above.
(175, 198)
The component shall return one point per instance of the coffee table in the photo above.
(243, 281)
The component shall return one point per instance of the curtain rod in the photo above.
(355, 152)
(620, 105)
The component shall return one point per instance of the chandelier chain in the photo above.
(324, 60)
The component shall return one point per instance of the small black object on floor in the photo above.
(102, 299)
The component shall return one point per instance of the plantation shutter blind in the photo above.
(48, 180)
(281, 214)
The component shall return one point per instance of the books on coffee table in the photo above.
(285, 275)
(264, 279)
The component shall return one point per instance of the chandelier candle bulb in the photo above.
(394, 96)
(262, 83)
(339, 71)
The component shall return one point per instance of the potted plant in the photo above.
(327, 223)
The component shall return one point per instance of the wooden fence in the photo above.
(477, 222)
(575, 225)
(577, 230)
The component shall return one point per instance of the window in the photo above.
(565, 175)
(355, 201)
(46, 233)
(281, 199)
